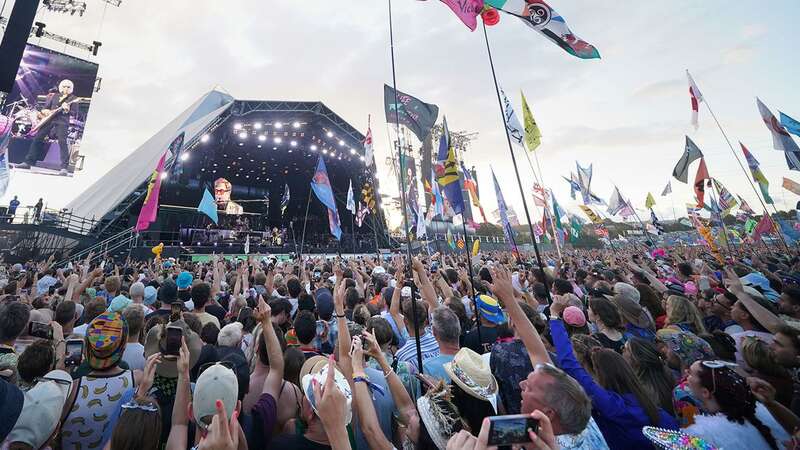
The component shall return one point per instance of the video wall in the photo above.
(48, 107)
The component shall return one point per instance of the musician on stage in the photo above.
(58, 102)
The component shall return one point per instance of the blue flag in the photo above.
(208, 206)
(501, 206)
(791, 125)
(447, 172)
(321, 185)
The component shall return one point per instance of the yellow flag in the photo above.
(650, 202)
(591, 214)
(533, 137)
(476, 247)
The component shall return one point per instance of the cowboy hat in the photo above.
(155, 342)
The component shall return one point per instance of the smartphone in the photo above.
(511, 429)
(172, 346)
(73, 355)
(175, 313)
(40, 330)
(320, 327)
(317, 275)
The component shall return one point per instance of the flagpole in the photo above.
(471, 277)
(545, 211)
(514, 159)
(415, 319)
(305, 221)
(715, 196)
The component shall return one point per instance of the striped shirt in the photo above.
(428, 346)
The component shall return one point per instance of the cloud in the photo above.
(754, 30)
(661, 88)
(740, 54)
(626, 136)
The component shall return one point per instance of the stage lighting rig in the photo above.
(66, 6)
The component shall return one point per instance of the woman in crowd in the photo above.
(608, 321)
(682, 314)
(652, 371)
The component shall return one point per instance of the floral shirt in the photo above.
(686, 406)
(510, 364)
(589, 439)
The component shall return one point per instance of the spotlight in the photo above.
(277, 140)
(164, 175)
(243, 135)
(184, 156)
(340, 157)
(352, 151)
(341, 143)
(278, 125)
(324, 151)
(262, 138)
(204, 138)
(313, 147)
(296, 124)
(293, 143)
(257, 125)
(363, 159)
(237, 126)
(329, 134)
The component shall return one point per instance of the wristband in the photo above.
(340, 316)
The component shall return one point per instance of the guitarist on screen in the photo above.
(59, 105)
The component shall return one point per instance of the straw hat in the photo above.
(439, 415)
(472, 373)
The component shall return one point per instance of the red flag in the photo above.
(765, 225)
(699, 184)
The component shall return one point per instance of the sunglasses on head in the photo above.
(714, 365)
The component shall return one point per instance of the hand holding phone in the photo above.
(172, 345)
(511, 429)
(73, 354)
(40, 330)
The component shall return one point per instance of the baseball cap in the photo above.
(574, 316)
(150, 295)
(215, 383)
(324, 304)
(41, 410)
(119, 303)
(339, 382)
(105, 339)
(490, 309)
(184, 280)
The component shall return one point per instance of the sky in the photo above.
(626, 113)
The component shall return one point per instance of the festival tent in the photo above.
(119, 182)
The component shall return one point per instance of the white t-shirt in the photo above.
(134, 355)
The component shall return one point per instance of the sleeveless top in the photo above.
(94, 410)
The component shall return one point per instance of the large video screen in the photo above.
(48, 107)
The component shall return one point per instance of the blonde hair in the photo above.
(757, 355)
(682, 310)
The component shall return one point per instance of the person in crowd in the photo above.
(608, 322)
(682, 314)
(446, 330)
(650, 368)
(134, 350)
(490, 317)
(13, 322)
(167, 295)
(428, 345)
(680, 349)
(201, 296)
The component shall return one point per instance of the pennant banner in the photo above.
(410, 112)
(533, 136)
(321, 185)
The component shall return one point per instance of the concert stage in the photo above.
(246, 153)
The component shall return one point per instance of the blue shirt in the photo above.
(620, 417)
(435, 366)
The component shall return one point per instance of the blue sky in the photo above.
(626, 113)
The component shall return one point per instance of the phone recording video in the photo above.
(511, 429)
(172, 346)
(40, 330)
(73, 355)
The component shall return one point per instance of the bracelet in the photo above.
(361, 380)
(340, 316)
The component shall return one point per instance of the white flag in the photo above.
(513, 126)
(696, 98)
(369, 159)
(247, 245)
(421, 226)
(351, 202)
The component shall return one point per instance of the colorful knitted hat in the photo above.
(105, 340)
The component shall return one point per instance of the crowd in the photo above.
(624, 349)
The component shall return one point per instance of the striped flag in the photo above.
(758, 176)
(447, 172)
(696, 98)
(780, 137)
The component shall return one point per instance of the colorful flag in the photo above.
(369, 158)
(667, 189)
(654, 220)
(585, 182)
(765, 226)
(744, 206)
(593, 217)
(750, 226)
(575, 228)
(472, 188)
(574, 187)
(476, 247)
(533, 137)
(690, 154)
(649, 202)
(368, 197)
(321, 185)
(504, 222)
(700, 182)
(726, 200)
(616, 203)
(540, 195)
(791, 186)
(410, 112)
(363, 210)
(791, 125)
(208, 206)
(449, 238)
(447, 171)
(696, 97)
(285, 199)
(351, 201)
(466, 10)
(758, 176)
(437, 202)
(147, 214)
(541, 17)
(513, 126)
(780, 137)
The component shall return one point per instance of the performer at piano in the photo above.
(62, 104)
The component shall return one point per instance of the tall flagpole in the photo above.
(514, 159)
(415, 319)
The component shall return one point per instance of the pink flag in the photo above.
(466, 10)
(147, 214)
(696, 97)
(765, 226)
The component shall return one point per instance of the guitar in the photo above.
(48, 115)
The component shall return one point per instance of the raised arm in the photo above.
(394, 307)
(427, 292)
(272, 384)
(343, 338)
(178, 434)
(406, 406)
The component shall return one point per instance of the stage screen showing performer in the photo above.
(48, 106)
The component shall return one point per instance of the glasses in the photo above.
(54, 380)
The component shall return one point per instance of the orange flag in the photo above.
(699, 182)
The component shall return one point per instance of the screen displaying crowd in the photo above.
(619, 349)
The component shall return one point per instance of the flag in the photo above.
(750, 226)
(593, 217)
(791, 186)
(744, 206)
(616, 204)
(780, 137)
(512, 121)
(656, 223)
(363, 210)
(696, 97)
(726, 200)
(758, 176)
(573, 185)
(447, 171)
(765, 226)
(472, 187)
(368, 156)
(176, 150)
(421, 231)
(667, 189)
(285, 199)
(321, 185)
(351, 201)
(533, 137)
(791, 125)
(5, 138)
(557, 214)
(585, 182)
(476, 247)
(147, 214)
(575, 228)
(208, 206)
(540, 195)
(466, 10)
(410, 112)
(437, 202)
(544, 19)
(699, 182)
(247, 245)
(368, 197)
(690, 154)
(449, 238)
(649, 202)
(504, 222)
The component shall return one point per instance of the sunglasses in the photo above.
(54, 380)
(713, 366)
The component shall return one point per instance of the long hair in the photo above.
(735, 399)
(651, 369)
(681, 310)
(128, 433)
(615, 374)
(650, 301)
(606, 312)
